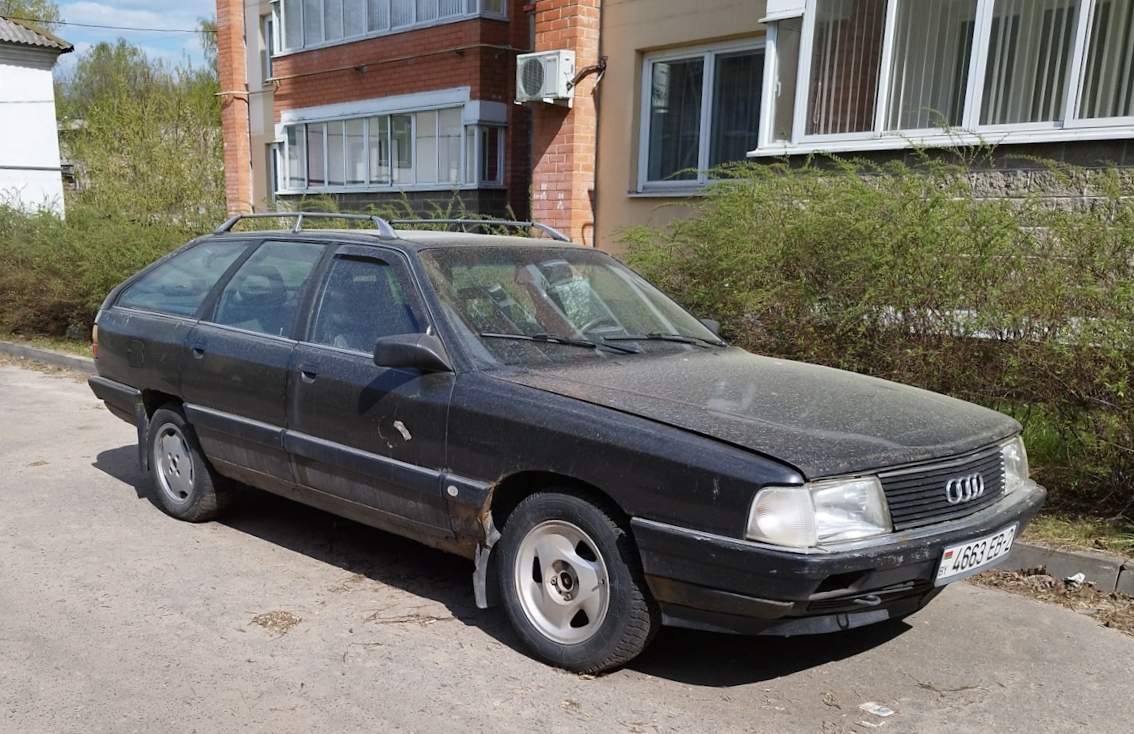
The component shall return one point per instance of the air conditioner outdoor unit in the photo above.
(545, 77)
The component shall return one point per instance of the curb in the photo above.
(48, 357)
(1109, 573)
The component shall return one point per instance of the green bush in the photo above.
(54, 273)
(901, 272)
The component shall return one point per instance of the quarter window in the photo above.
(179, 285)
(701, 109)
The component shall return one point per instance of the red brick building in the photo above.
(379, 101)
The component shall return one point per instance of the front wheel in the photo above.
(186, 485)
(572, 583)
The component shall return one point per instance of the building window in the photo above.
(861, 74)
(268, 43)
(315, 23)
(700, 108)
(429, 149)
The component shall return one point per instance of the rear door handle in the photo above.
(199, 349)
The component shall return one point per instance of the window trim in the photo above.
(465, 14)
(709, 53)
(1070, 127)
(474, 113)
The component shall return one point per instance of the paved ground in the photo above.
(116, 618)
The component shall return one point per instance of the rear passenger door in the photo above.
(369, 435)
(235, 373)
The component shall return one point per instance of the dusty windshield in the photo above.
(520, 305)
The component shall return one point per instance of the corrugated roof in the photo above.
(24, 34)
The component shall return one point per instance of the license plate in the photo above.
(963, 560)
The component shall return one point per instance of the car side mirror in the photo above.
(713, 326)
(412, 351)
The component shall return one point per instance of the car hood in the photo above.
(824, 422)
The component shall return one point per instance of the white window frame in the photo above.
(470, 9)
(1069, 128)
(475, 114)
(708, 53)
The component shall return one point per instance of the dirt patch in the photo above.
(1112, 609)
(278, 621)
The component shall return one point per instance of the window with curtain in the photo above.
(1028, 61)
(1023, 70)
(930, 67)
(701, 110)
(845, 62)
(1108, 83)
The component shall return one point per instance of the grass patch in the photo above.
(1080, 533)
(80, 347)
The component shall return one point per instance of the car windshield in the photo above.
(530, 305)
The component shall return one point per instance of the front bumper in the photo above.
(712, 582)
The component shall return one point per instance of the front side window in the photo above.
(701, 110)
(179, 285)
(263, 294)
(362, 301)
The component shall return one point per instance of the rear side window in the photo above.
(179, 285)
(263, 294)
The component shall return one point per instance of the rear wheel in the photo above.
(185, 483)
(572, 582)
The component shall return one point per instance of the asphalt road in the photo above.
(117, 618)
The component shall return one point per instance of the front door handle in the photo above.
(308, 372)
(198, 349)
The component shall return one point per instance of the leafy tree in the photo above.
(42, 13)
(146, 136)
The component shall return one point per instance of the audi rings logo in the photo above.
(964, 489)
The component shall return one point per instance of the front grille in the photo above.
(917, 494)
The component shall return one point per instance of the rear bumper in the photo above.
(119, 399)
(712, 582)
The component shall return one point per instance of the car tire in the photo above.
(554, 546)
(185, 483)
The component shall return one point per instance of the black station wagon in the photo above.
(607, 462)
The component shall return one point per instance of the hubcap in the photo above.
(173, 464)
(562, 582)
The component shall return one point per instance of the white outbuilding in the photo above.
(30, 177)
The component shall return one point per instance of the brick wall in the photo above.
(563, 140)
(477, 53)
(234, 106)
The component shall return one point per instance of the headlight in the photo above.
(819, 513)
(1015, 464)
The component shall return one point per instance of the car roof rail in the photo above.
(385, 231)
(551, 232)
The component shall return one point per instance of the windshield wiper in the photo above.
(661, 337)
(556, 339)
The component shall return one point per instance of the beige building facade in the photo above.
(651, 46)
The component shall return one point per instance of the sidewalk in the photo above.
(1106, 571)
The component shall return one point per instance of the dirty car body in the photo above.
(604, 458)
